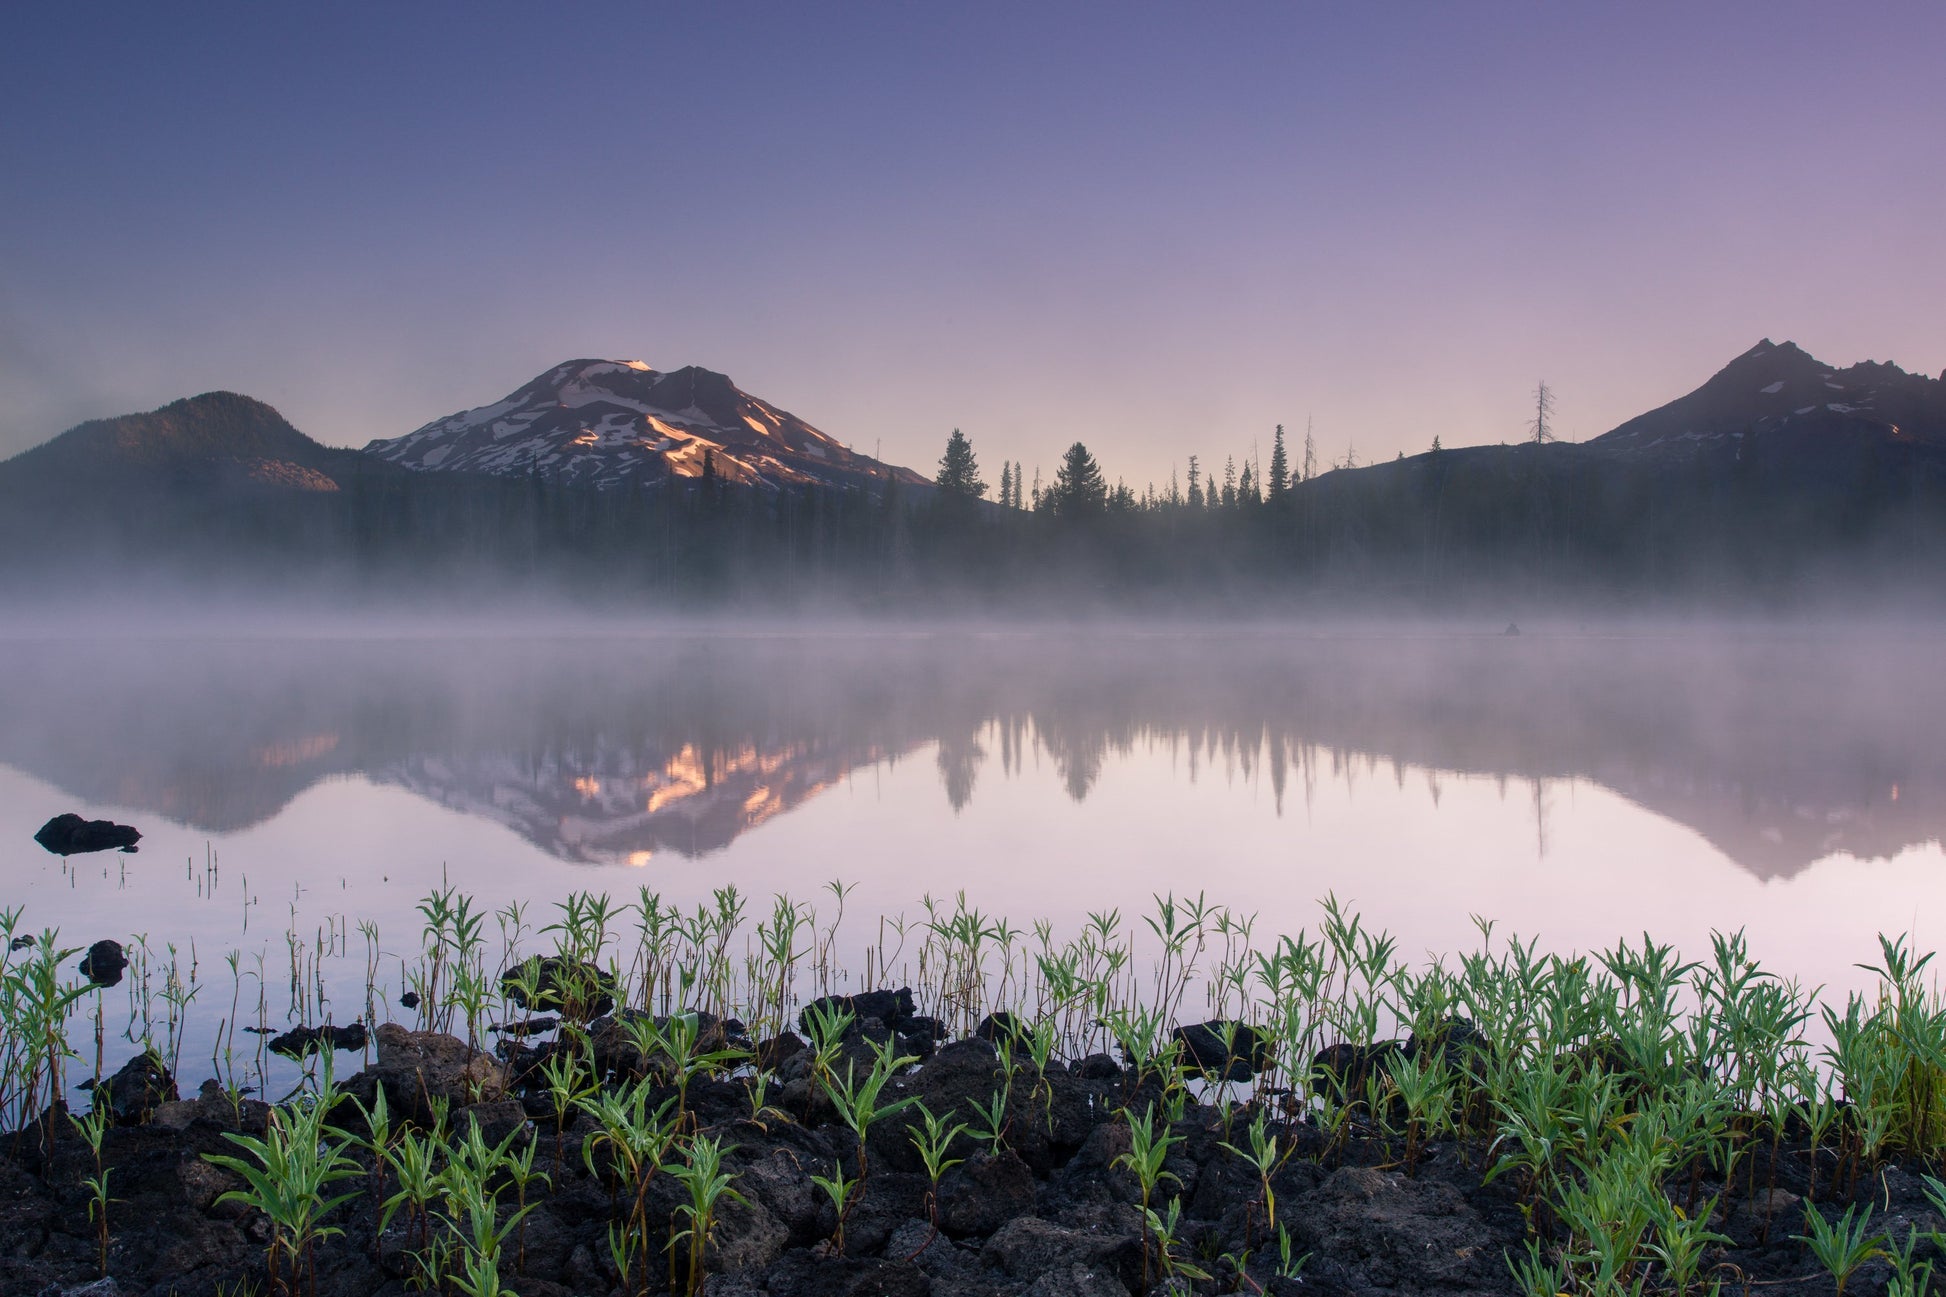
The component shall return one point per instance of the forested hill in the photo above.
(1778, 478)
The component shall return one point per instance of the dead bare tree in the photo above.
(1542, 425)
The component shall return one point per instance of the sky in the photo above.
(1158, 229)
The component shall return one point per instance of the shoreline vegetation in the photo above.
(631, 1098)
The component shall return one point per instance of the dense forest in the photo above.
(1766, 522)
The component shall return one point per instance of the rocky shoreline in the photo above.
(1046, 1201)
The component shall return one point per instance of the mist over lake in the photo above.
(1581, 785)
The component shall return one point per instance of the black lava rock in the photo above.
(893, 1008)
(104, 962)
(70, 835)
(1450, 1039)
(1343, 1069)
(302, 1041)
(527, 1026)
(133, 1094)
(772, 1053)
(1002, 1025)
(1221, 1050)
(1098, 1067)
(573, 988)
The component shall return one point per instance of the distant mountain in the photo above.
(609, 422)
(1778, 389)
(1778, 476)
(218, 439)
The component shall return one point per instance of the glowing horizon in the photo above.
(1159, 231)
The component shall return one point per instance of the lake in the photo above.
(1576, 785)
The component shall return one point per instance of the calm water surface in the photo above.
(1579, 787)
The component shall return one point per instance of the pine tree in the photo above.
(959, 472)
(1037, 488)
(1079, 490)
(1279, 479)
(1230, 482)
(1195, 484)
(1006, 485)
(1310, 453)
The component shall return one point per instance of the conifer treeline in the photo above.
(1441, 526)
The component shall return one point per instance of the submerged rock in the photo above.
(104, 962)
(299, 1042)
(70, 835)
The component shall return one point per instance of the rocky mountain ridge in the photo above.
(1778, 388)
(609, 423)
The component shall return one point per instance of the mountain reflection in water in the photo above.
(1780, 750)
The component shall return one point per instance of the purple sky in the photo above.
(1159, 229)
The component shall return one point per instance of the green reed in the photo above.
(1608, 1090)
(286, 1175)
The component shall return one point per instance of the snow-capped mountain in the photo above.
(616, 422)
(1780, 388)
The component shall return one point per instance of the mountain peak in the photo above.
(1778, 385)
(621, 422)
(216, 435)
